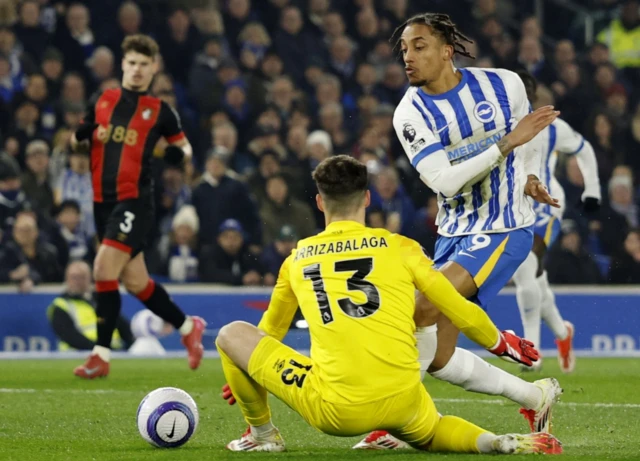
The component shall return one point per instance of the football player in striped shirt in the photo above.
(466, 132)
(535, 298)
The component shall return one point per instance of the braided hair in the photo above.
(440, 25)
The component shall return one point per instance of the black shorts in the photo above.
(125, 225)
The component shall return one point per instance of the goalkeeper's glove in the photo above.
(227, 394)
(513, 348)
(174, 155)
(85, 132)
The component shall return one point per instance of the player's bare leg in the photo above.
(236, 343)
(107, 267)
(136, 280)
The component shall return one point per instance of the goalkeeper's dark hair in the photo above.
(342, 182)
(442, 26)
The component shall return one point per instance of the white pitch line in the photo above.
(5, 390)
(566, 404)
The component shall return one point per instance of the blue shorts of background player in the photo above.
(491, 259)
(547, 228)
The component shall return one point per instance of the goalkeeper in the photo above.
(356, 287)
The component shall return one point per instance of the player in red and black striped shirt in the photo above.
(121, 130)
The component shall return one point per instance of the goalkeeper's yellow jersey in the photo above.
(356, 289)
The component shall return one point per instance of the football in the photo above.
(167, 417)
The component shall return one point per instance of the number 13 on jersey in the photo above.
(359, 268)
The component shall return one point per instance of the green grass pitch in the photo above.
(48, 414)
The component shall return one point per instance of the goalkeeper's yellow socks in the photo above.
(250, 396)
(456, 435)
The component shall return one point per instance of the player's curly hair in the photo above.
(142, 44)
(441, 25)
(342, 181)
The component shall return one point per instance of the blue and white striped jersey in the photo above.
(560, 138)
(450, 139)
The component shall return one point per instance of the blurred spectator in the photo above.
(568, 263)
(266, 137)
(28, 30)
(274, 255)
(36, 92)
(175, 194)
(35, 179)
(73, 318)
(179, 44)
(530, 27)
(237, 16)
(71, 242)
(53, 68)
(393, 85)
(75, 38)
(75, 184)
(26, 128)
(622, 37)
(280, 208)
(632, 157)
(625, 266)
(254, 42)
(73, 91)
(268, 165)
(26, 260)
(532, 59)
(621, 197)
(388, 195)
(12, 197)
(219, 197)
(294, 44)
(342, 58)
(334, 26)
(129, 23)
(600, 132)
(229, 261)
(176, 254)
(102, 66)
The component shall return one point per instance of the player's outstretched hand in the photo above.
(531, 125)
(513, 348)
(227, 394)
(538, 191)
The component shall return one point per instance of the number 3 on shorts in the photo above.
(127, 224)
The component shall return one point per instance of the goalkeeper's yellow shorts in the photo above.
(409, 415)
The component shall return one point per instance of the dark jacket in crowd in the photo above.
(217, 266)
(43, 268)
(228, 199)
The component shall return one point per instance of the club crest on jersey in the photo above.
(146, 114)
(484, 112)
(409, 132)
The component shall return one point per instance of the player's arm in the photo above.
(569, 142)
(282, 307)
(428, 157)
(468, 317)
(81, 138)
(171, 130)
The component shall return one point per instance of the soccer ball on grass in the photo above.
(167, 417)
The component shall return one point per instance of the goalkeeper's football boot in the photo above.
(539, 419)
(193, 342)
(566, 357)
(529, 444)
(380, 440)
(94, 367)
(249, 442)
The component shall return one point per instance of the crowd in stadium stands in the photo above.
(266, 89)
